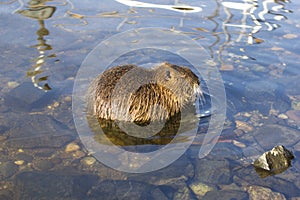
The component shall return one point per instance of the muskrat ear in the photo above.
(168, 75)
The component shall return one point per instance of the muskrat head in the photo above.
(184, 84)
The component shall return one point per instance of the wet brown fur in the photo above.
(170, 86)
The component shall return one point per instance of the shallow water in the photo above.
(253, 47)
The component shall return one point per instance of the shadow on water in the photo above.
(253, 43)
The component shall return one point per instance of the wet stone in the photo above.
(226, 195)
(226, 150)
(89, 160)
(258, 192)
(169, 176)
(294, 115)
(158, 194)
(72, 147)
(7, 169)
(6, 194)
(38, 131)
(44, 153)
(274, 161)
(283, 116)
(78, 154)
(259, 91)
(212, 171)
(200, 189)
(291, 84)
(26, 96)
(3, 138)
(264, 95)
(40, 142)
(12, 84)
(282, 102)
(43, 165)
(19, 162)
(23, 156)
(270, 135)
(35, 185)
(56, 161)
(243, 126)
(3, 129)
(248, 176)
(123, 190)
(183, 193)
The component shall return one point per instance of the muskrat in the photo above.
(136, 94)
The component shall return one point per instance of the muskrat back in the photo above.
(135, 94)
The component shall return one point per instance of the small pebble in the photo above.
(89, 160)
(238, 144)
(277, 49)
(25, 157)
(3, 137)
(227, 67)
(72, 147)
(12, 84)
(290, 36)
(20, 150)
(246, 114)
(56, 104)
(243, 126)
(200, 189)
(19, 162)
(294, 115)
(79, 154)
(260, 68)
(43, 165)
(258, 40)
(296, 105)
(56, 160)
(283, 116)
(68, 99)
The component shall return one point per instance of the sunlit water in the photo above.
(253, 44)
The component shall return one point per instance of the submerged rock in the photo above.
(200, 189)
(226, 194)
(7, 170)
(258, 192)
(269, 135)
(213, 171)
(55, 185)
(273, 162)
(26, 97)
